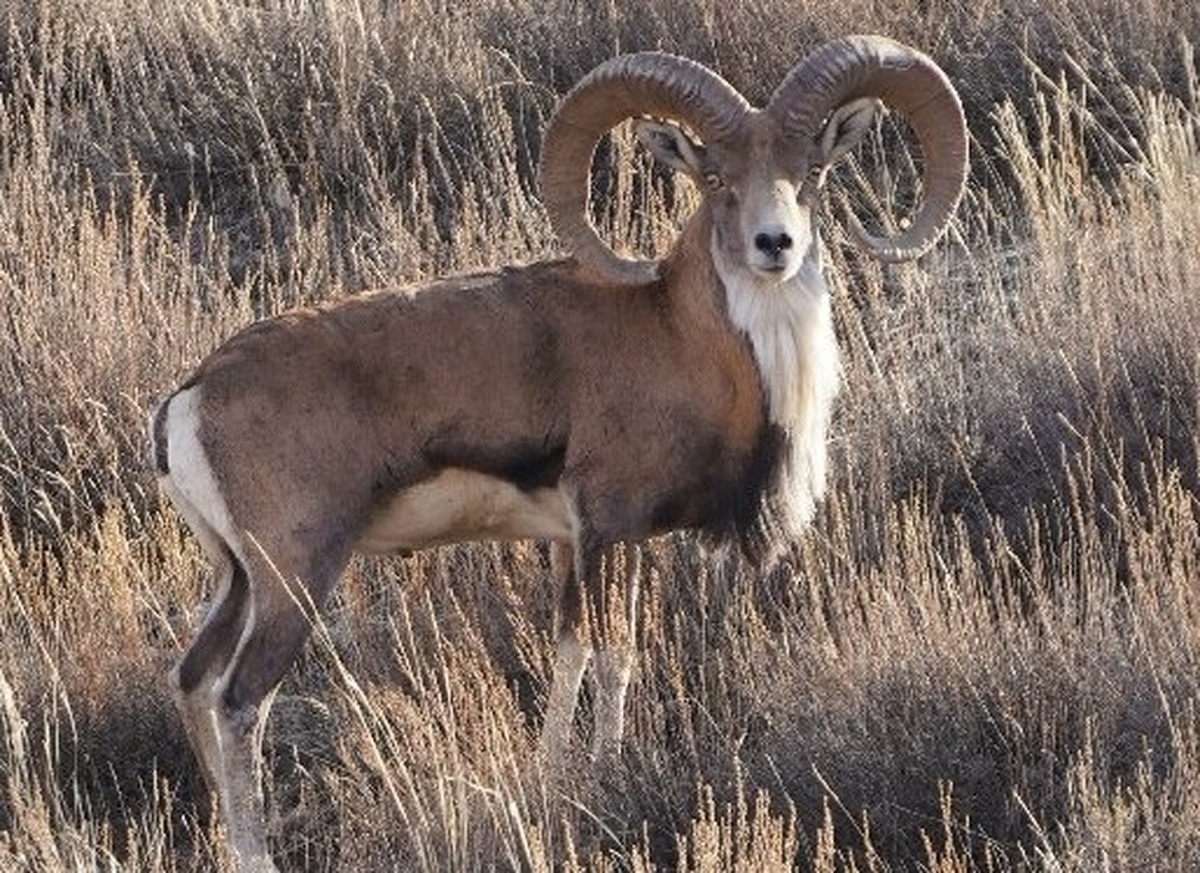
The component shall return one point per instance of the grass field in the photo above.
(985, 656)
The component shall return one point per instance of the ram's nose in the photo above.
(773, 244)
(773, 253)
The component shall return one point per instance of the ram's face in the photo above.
(761, 186)
(762, 192)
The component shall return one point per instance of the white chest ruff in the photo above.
(790, 328)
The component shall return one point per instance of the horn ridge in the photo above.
(644, 83)
(912, 85)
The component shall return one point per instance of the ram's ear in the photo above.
(846, 127)
(672, 146)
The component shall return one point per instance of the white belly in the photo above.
(460, 505)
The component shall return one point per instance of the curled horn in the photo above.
(909, 83)
(647, 83)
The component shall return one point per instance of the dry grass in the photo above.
(984, 657)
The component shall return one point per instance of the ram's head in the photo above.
(760, 169)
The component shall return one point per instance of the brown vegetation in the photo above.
(985, 656)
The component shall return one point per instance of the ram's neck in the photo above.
(690, 281)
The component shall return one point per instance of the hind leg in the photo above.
(194, 677)
(199, 682)
(260, 618)
(277, 623)
(269, 582)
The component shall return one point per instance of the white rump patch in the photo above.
(191, 484)
(790, 326)
(460, 505)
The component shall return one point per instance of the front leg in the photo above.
(571, 657)
(614, 607)
(597, 608)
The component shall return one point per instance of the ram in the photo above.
(588, 401)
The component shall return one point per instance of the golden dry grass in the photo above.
(984, 657)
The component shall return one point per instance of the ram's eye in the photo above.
(713, 181)
(811, 183)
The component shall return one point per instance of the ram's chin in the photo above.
(773, 275)
(772, 279)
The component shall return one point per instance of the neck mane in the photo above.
(790, 329)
